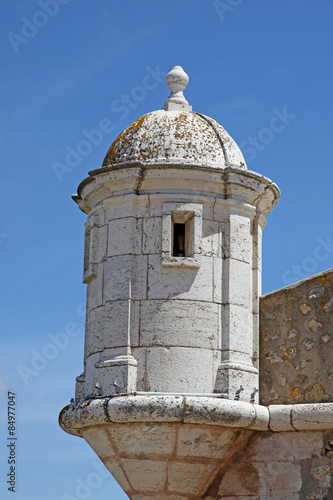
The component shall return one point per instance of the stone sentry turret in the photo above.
(173, 271)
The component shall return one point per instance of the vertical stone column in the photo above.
(258, 224)
(179, 321)
(239, 299)
(116, 285)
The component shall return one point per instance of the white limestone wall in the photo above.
(275, 452)
(258, 225)
(188, 322)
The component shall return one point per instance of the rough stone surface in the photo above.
(196, 324)
(236, 342)
(98, 438)
(191, 478)
(279, 466)
(109, 326)
(161, 496)
(172, 461)
(204, 442)
(175, 377)
(142, 300)
(175, 136)
(151, 440)
(232, 377)
(125, 276)
(116, 375)
(124, 236)
(296, 342)
(165, 282)
(193, 460)
(141, 296)
(146, 407)
(145, 475)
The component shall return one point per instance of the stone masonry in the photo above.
(181, 396)
(296, 342)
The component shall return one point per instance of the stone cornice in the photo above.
(138, 178)
(195, 410)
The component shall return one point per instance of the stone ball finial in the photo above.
(177, 80)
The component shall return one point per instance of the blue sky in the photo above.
(66, 66)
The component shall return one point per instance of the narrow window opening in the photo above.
(179, 240)
(86, 261)
(181, 235)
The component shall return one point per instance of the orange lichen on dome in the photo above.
(162, 137)
(123, 138)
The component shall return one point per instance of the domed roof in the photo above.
(175, 135)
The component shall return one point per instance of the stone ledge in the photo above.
(181, 409)
(195, 410)
(301, 417)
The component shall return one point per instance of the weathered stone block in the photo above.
(148, 440)
(99, 243)
(126, 206)
(281, 477)
(79, 387)
(234, 379)
(280, 418)
(237, 285)
(179, 369)
(182, 282)
(157, 202)
(97, 217)
(139, 353)
(204, 442)
(234, 206)
(90, 373)
(117, 472)
(292, 446)
(237, 334)
(115, 375)
(237, 241)
(124, 236)
(302, 416)
(108, 325)
(262, 479)
(211, 244)
(98, 438)
(152, 236)
(218, 283)
(257, 246)
(140, 408)
(95, 289)
(125, 276)
(223, 412)
(145, 475)
(179, 323)
(189, 478)
(239, 481)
